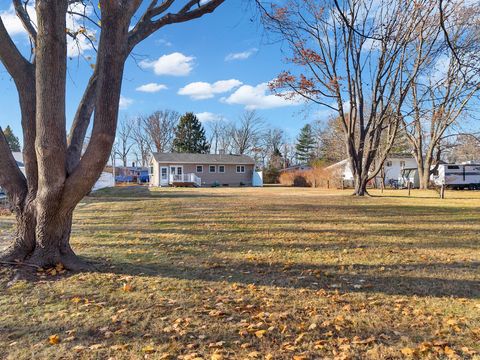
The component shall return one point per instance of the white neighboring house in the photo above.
(105, 180)
(393, 166)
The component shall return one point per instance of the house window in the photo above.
(199, 168)
(151, 169)
(240, 168)
(402, 163)
(388, 164)
(221, 168)
(212, 168)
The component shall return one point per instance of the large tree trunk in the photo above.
(360, 186)
(58, 176)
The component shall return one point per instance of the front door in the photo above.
(164, 176)
(176, 172)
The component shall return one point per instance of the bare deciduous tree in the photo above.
(160, 126)
(246, 134)
(58, 175)
(141, 141)
(124, 140)
(439, 98)
(352, 59)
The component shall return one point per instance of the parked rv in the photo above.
(458, 176)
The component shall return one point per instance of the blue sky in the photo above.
(216, 66)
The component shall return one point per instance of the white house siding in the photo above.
(393, 169)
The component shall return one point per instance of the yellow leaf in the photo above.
(260, 333)
(217, 356)
(148, 349)
(76, 300)
(449, 352)
(409, 352)
(300, 357)
(54, 339)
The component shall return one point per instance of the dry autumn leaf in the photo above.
(127, 287)
(149, 349)
(260, 333)
(217, 356)
(53, 339)
(409, 352)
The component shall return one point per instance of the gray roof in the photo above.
(203, 158)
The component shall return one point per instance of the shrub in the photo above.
(315, 177)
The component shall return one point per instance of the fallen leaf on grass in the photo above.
(53, 339)
(217, 356)
(127, 287)
(260, 333)
(409, 352)
(148, 349)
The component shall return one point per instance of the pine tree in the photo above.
(305, 147)
(12, 140)
(190, 136)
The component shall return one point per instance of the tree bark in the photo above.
(58, 176)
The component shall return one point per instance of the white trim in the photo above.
(196, 169)
(240, 166)
(210, 171)
(224, 169)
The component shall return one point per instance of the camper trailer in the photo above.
(458, 176)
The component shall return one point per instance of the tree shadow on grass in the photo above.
(420, 279)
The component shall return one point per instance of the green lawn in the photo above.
(244, 273)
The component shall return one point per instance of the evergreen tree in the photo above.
(190, 136)
(12, 140)
(305, 147)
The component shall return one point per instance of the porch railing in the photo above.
(185, 178)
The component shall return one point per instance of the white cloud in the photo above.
(208, 116)
(125, 102)
(204, 90)
(174, 64)
(164, 42)
(259, 97)
(151, 88)
(75, 47)
(12, 22)
(241, 55)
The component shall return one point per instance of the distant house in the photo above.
(392, 169)
(105, 180)
(295, 168)
(132, 174)
(184, 169)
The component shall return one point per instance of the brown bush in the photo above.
(315, 177)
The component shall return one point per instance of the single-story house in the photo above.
(185, 169)
(132, 174)
(393, 166)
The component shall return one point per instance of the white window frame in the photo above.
(388, 163)
(196, 169)
(240, 166)
(210, 169)
(224, 169)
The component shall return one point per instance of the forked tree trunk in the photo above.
(57, 175)
(360, 185)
